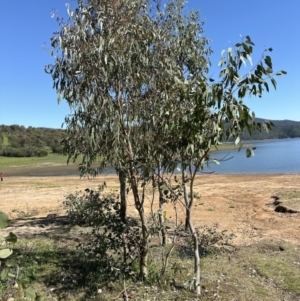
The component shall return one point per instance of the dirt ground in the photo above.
(240, 204)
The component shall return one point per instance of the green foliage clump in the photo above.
(23, 152)
(113, 245)
(25, 140)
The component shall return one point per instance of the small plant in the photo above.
(27, 213)
(210, 237)
(197, 195)
(210, 240)
(9, 270)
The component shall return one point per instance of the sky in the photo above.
(26, 94)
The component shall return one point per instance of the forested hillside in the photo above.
(18, 141)
(282, 129)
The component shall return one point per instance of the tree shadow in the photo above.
(38, 226)
(41, 222)
(53, 260)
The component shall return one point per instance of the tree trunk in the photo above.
(161, 207)
(197, 270)
(144, 248)
(186, 201)
(187, 218)
(162, 218)
(144, 254)
(123, 200)
(139, 205)
(144, 244)
(188, 196)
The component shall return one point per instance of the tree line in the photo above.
(281, 129)
(18, 141)
(27, 142)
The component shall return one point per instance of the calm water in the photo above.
(275, 156)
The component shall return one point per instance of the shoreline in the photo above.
(76, 174)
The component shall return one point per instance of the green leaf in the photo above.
(4, 253)
(248, 40)
(281, 73)
(3, 220)
(30, 293)
(273, 81)
(268, 61)
(10, 262)
(248, 153)
(12, 238)
(266, 86)
(3, 274)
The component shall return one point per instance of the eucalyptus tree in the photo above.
(213, 110)
(198, 112)
(190, 52)
(104, 67)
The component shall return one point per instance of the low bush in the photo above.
(23, 152)
(113, 246)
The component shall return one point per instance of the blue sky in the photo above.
(26, 94)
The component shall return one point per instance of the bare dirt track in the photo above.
(240, 204)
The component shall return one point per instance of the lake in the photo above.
(271, 156)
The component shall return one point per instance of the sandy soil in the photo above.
(241, 204)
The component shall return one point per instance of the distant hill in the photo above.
(19, 137)
(281, 122)
(282, 129)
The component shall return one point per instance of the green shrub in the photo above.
(113, 245)
(23, 152)
(42, 153)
